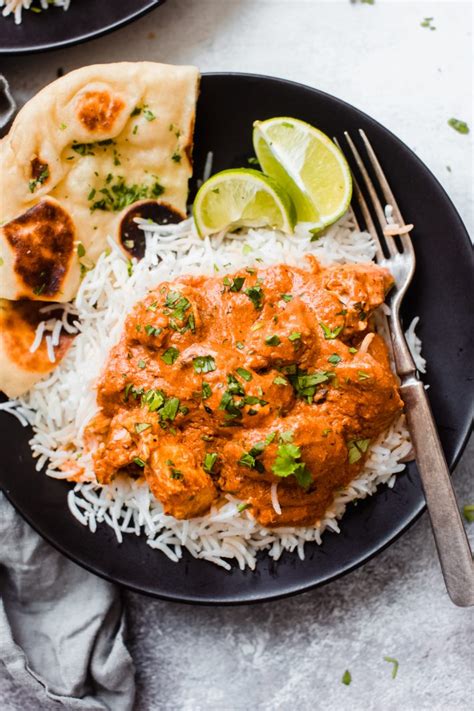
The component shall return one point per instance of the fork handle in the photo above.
(449, 534)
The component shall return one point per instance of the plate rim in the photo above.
(362, 558)
(80, 39)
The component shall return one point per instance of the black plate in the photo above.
(228, 105)
(55, 28)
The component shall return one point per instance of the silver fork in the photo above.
(450, 537)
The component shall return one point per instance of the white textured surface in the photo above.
(292, 654)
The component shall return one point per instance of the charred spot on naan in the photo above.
(18, 323)
(39, 173)
(42, 241)
(98, 110)
(131, 237)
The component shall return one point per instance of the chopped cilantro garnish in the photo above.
(254, 400)
(170, 355)
(362, 375)
(204, 364)
(141, 427)
(152, 331)
(136, 111)
(352, 350)
(242, 507)
(139, 462)
(206, 391)
(272, 341)
(459, 126)
(334, 359)
(330, 334)
(81, 250)
(468, 512)
(141, 364)
(176, 307)
(280, 380)
(84, 149)
(288, 463)
(209, 460)
(305, 384)
(170, 409)
(149, 115)
(44, 175)
(427, 23)
(356, 448)
(294, 336)
(246, 249)
(255, 294)
(231, 408)
(176, 157)
(286, 436)
(239, 345)
(234, 284)
(395, 663)
(235, 388)
(117, 195)
(245, 374)
(247, 460)
(286, 297)
(153, 399)
(346, 677)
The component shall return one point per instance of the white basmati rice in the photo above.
(16, 7)
(60, 406)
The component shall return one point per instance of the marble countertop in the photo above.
(292, 653)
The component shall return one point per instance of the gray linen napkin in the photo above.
(61, 628)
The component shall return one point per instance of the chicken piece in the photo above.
(366, 398)
(360, 289)
(176, 477)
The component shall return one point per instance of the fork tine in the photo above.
(379, 255)
(369, 224)
(390, 242)
(386, 189)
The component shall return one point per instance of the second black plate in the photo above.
(54, 28)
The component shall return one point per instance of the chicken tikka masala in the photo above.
(231, 384)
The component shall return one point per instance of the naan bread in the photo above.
(20, 369)
(78, 155)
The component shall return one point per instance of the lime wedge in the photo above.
(242, 198)
(308, 165)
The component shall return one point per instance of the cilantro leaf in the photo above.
(255, 294)
(245, 374)
(209, 460)
(287, 463)
(234, 284)
(170, 355)
(459, 126)
(204, 364)
(330, 334)
(395, 663)
(346, 678)
(356, 448)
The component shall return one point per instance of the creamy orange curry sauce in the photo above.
(231, 384)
